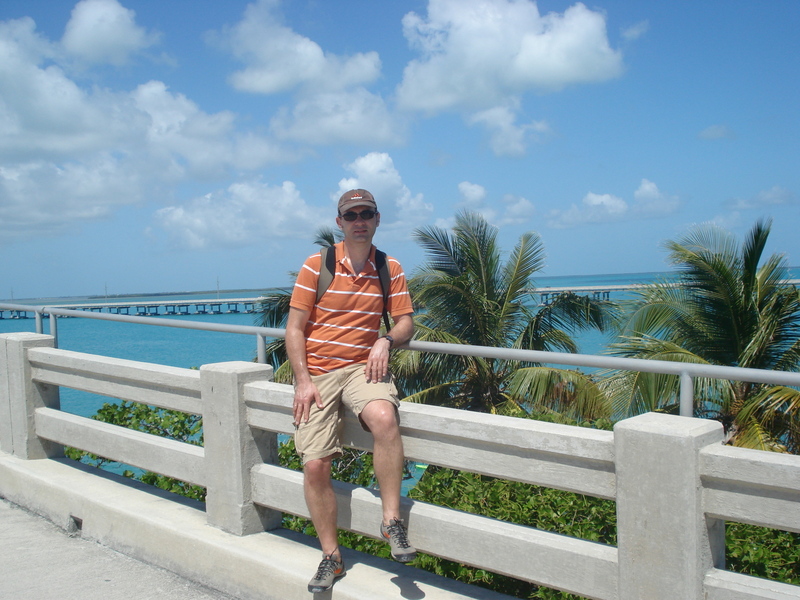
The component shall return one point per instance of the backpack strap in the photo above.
(386, 282)
(328, 269)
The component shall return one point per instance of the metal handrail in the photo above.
(686, 371)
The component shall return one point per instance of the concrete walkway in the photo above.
(39, 561)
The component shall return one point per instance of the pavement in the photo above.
(39, 561)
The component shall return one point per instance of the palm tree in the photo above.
(272, 310)
(727, 308)
(466, 294)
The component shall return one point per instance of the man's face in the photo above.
(360, 229)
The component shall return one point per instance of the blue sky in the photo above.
(150, 146)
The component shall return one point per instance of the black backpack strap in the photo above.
(386, 282)
(327, 269)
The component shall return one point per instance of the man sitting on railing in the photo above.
(338, 358)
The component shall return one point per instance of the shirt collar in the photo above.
(341, 258)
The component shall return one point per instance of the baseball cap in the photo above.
(356, 198)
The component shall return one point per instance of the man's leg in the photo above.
(381, 418)
(321, 502)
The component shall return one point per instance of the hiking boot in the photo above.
(328, 572)
(395, 533)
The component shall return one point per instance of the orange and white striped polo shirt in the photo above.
(343, 327)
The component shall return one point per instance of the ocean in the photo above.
(188, 348)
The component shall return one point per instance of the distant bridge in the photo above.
(219, 306)
(154, 308)
(601, 291)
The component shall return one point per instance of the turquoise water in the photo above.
(146, 343)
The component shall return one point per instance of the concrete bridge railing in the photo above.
(673, 481)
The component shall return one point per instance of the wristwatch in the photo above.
(391, 340)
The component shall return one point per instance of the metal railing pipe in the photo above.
(686, 371)
(261, 349)
(687, 395)
(159, 321)
(54, 329)
(613, 362)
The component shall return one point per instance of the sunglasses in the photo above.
(365, 214)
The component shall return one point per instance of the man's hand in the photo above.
(304, 396)
(377, 367)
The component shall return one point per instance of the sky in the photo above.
(150, 146)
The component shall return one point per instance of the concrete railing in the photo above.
(673, 481)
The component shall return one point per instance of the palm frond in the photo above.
(272, 309)
(570, 393)
(328, 236)
(752, 434)
(442, 256)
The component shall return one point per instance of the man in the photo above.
(338, 358)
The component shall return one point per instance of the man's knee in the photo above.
(381, 418)
(318, 471)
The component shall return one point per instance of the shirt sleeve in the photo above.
(304, 294)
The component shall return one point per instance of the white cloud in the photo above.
(506, 138)
(595, 208)
(475, 54)
(189, 141)
(401, 210)
(43, 113)
(244, 214)
(518, 210)
(330, 101)
(39, 198)
(515, 209)
(481, 56)
(20, 43)
(636, 31)
(278, 59)
(103, 31)
(649, 201)
(717, 132)
(775, 196)
(72, 153)
(355, 117)
(472, 193)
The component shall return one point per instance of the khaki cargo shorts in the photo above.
(345, 387)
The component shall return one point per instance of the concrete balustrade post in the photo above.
(6, 442)
(666, 543)
(233, 448)
(20, 396)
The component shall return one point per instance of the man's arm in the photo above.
(305, 392)
(377, 367)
